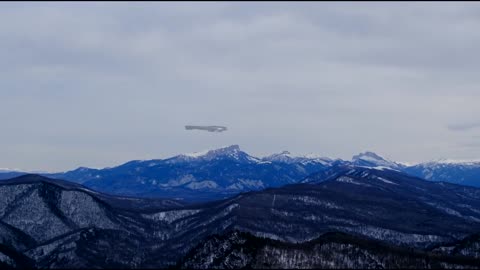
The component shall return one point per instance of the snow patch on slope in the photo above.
(345, 179)
(171, 216)
(202, 185)
(386, 181)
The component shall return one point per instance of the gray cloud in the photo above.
(97, 84)
(473, 144)
(207, 128)
(464, 126)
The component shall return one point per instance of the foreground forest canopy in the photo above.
(343, 217)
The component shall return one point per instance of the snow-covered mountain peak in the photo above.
(229, 152)
(287, 157)
(232, 149)
(370, 159)
(9, 170)
(284, 156)
(369, 156)
(457, 161)
(315, 156)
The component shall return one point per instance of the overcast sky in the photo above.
(98, 84)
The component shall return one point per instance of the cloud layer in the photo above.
(96, 84)
(464, 126)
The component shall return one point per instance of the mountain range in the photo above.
(344, 216)
(224, 172)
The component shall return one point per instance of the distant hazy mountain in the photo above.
(8, 175)
(227, 171)
(218, 173)
(348, 217)
(465, 172)
(460, 172)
